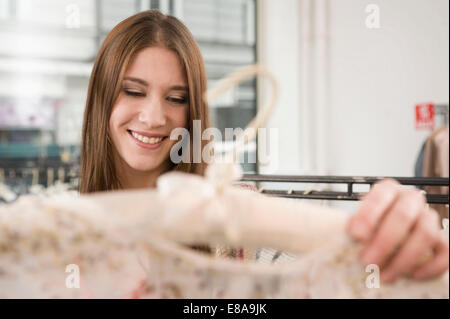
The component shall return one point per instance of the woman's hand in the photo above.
(401, 234)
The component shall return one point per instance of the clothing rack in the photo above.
(20, 175)
(348, 180)
(70, 176)
(442, 110)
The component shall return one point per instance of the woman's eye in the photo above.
(134, 93)
(178, 100)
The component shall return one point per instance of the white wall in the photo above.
(376, 78)
(278, 50)
(370, 81)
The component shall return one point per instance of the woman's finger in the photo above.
(373, 207)
(436, 266)
(422, 240)
(394, 228)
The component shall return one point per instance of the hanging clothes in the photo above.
(418, 167)
(435, 164)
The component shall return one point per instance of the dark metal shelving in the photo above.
(348, 180)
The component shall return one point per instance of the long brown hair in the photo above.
(145, 29)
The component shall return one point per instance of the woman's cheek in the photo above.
(182, 117)
(112, 126)
(117, 121)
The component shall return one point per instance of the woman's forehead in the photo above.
(157, 66)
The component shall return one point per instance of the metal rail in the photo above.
(349, 180)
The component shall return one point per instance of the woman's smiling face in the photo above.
(153, 101)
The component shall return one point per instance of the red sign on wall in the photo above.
(425, 116)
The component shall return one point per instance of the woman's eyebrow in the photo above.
(143, 82)
(140, 81)
(179, 88)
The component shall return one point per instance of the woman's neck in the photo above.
(134, 179)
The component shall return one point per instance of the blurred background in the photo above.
(355, 78)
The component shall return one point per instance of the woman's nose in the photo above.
(152, 113)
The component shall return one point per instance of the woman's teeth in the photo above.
(147, 140)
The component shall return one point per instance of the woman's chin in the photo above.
(144, 168)
(145, 165)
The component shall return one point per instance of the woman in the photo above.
(149, 78)
(147, 59)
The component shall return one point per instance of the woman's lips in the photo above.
(146, 142)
